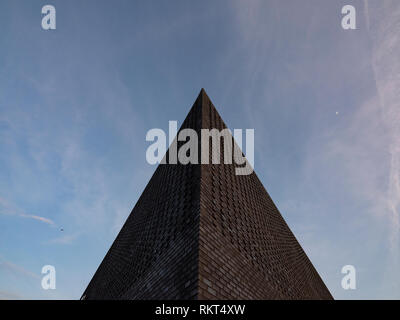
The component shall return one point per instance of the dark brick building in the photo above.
(199, 231)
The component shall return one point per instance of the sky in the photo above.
(76, 104)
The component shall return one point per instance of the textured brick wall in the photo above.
(247, 251)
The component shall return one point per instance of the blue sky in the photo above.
(76, 103)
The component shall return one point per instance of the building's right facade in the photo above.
(247, 250)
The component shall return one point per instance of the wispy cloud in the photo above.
(16, 269)
(366, 13)
(8, 295)
(66, 239)
(11, 209)
(42, 219)
(383, 19)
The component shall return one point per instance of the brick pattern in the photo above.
(202, 232)
(247, 250)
